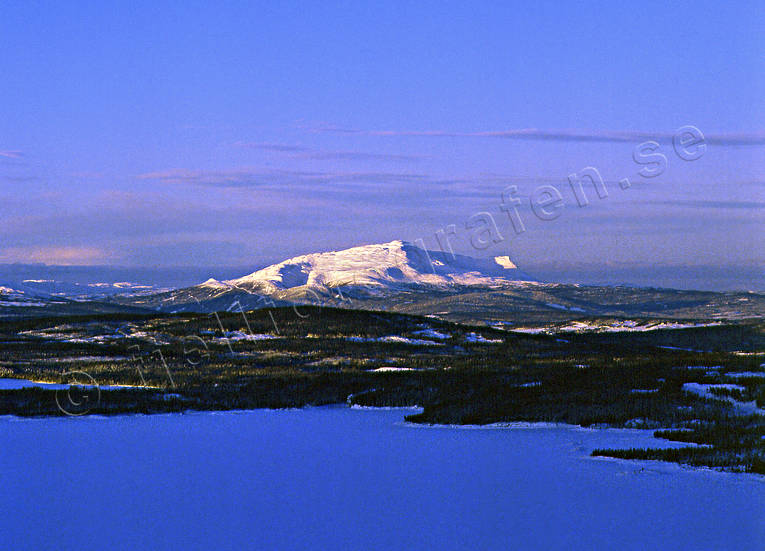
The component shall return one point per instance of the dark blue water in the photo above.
(335, 478)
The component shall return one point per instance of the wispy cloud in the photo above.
(282, 148)
(20, 179)
(326, 181)
(239, 178)
(11, 154)
(552, 135)
(711, 204)
(358, 156)
(303, 152)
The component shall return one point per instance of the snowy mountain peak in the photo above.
(397, 263)
(213, 283)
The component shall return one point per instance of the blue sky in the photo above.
(162, 134)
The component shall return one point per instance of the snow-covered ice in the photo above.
(15, 384)
(342, 478)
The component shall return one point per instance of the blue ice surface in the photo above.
(340, 478)
(16, 384)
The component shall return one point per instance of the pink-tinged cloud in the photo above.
(11, 154)
(66, 256)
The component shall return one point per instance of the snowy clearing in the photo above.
(395, 339)
(432, 334)
(612, 327)
(389, 369)
(744, 374)
(705, 391)
(476, 338)
(242, 336)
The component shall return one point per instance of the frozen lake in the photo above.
(338, 478)
(15, 384)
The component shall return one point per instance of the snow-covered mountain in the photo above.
(369, 272)
(386, 265)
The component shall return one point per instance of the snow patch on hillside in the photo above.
(395, 339)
